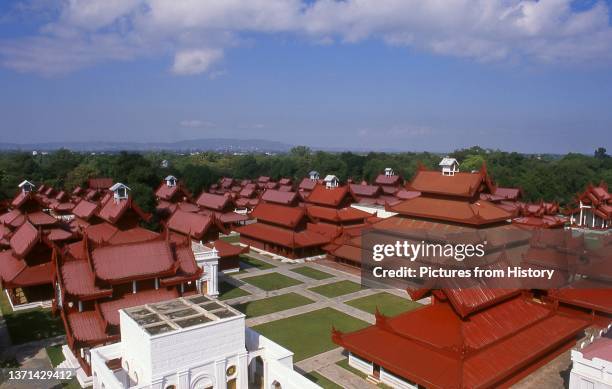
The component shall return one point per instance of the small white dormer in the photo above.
(26, 186)
(314, 175)
(120, 191)
(449, 165)
(389, 172)
(331, 181)
(170, 181)
(165, 163)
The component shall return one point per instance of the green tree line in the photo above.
(542, 177)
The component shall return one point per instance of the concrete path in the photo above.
(344, 378)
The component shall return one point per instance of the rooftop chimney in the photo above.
(170, 181)
(26, 186)
(449, 165)
(120, 191)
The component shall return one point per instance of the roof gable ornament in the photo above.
(26, 186)
(331, 181)
(170, 181)
(449, 166)
(120, 191)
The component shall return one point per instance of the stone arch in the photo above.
(203, 381)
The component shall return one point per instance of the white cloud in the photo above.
(196, 33)
(195, 123)
(189, 62)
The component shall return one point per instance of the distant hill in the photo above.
(217, 144)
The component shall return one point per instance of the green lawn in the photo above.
(228, 291)
(5, 306)
(321, 380)
(345, 365)
(309, 334)
(247, 262)
(33, 324)
(231, 239)
(55, 355)
(336, 289)
(311, 273)
(273, 304)
(271, 281)
(387, 303)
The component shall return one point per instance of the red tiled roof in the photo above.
(404, 194)
(478, 213)
(87, 326)
(382, 179)
(110, 309)
(41, 219)
(13, 218)
(58, 234)
(132, 235)
(213, 201)
(231, 217)
(508, 193)
(227, 249)
(166, 192)
(284, 181)
(336, 215)
(498, 342)
(333, 197)
(188, 223)
(281, 236)
(35, 275)
(100, 232)
(10, 266)
(100, 183)
(365, 190)
(278, 214)
(434, 182)
(112, 210)
(247, 192)
(79, 280)
(278, 197)
(24, 238)
(307, 184)
(120, 263)
(67, 206)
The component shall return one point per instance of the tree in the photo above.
(600, 153)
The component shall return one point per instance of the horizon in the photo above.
(530, 77)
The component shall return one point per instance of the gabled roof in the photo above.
(278, 214)
(114, 209)
(79, 280)
(41, 218)
(133, 261)
(24, 238)
(282, 236)
(10, 266)
(307, 184)
(364, 190)
(383, 179)
(84, 209)
(214, 201)
(187, 223)
(331, 197)
(279, 197)
(460, 184)
(347, 214)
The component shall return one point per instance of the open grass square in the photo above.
(387, 303)
(33, 324)
(322, 381)
(311, 273)
(55, 355)
(273, 304)
(247, 262)
(309, 334)
(228, 291)
(271, 281)
(336, 289)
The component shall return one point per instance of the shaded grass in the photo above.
(322, 381)
(311, 273)
(387, 303)
(336, 289)
(231, 239)
(247, 262)
(273, 304)
(33, 324)
(5, 305)
(55, 355)
(271, 281)
(228, 291)
(309, 334)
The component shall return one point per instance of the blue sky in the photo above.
(520, 76)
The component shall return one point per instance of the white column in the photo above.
(220, 367)
(134, 287)
(243, 373)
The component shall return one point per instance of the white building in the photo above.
(192, 342)
(592, 365)
(208, 260)
(331, 181)
(449, 166)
